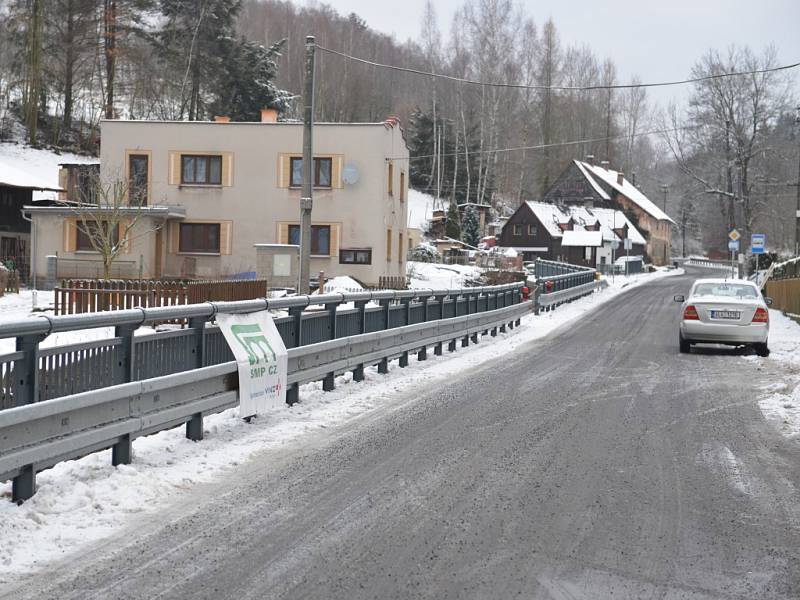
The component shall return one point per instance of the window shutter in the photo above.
(227, 169)
(174, 168)
(284, 170)
(334, 249)
(174, 236)
(338, 163)
(283, 233)
(225, 237)
(70, 235)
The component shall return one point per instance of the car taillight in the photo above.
(761, 316)
(690, 314)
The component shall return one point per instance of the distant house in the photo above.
(574, 234)
(16, 191)
(583, 183)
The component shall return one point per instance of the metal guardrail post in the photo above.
(423, 352)
(23, 486)
(26, 371)
(122, 451)
(403, 362)
(328, 383)
(198, 327)
(296, 313)
(361, 305)
(125, 364)
(383, 364)
(437, 349)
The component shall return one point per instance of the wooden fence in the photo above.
(76, 296)
(785, 294)
(392, 283)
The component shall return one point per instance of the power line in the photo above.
(566, 88)
(543, 146)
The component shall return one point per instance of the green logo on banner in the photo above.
(252, 339)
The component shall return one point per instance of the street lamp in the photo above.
(665, 188)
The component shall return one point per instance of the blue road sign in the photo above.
(758, 241)
(733, 245)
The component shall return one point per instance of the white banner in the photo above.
(262, 358)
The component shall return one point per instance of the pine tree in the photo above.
(246, 85)
(471, 234)
(452, 228)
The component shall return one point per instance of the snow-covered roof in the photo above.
(611, 219)
(600, 191)
(13, 177)
(627, 189)
(550, 216)
(582, 238)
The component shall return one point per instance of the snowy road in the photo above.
(596, 464)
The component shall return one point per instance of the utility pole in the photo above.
(729, 177)
(665, 188)
(797, 212)
(306, 198)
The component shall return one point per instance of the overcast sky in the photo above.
(657, 40)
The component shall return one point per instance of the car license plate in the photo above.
(725, 314)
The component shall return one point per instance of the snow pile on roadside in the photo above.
(82, 501)
(781, 405)
(440, 277)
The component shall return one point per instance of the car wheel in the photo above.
(684, 345)
(761, 349)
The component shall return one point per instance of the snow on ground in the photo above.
(420, 208)
(781, 404)
(342, 283)
(43, 164)
(438, 276)
(81, 501)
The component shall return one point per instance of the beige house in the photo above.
(215, 189)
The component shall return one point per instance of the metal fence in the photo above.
(33, 374)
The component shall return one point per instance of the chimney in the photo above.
(633, 179)
(605, 164)
(269, 115)
(221, 119)
(620, 178)
(590, 159)
(588, 202)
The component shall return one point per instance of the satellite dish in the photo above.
(350, 174)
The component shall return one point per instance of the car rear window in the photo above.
(726, 290)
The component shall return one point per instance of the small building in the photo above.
(16, 191)
(600, 186)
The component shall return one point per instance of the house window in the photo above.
(390, 182)
(322, 171)
(138, 169)
(532, 230)
(402, 186)
(199, 237)
(517, 229)
(90, 230)
(320, 238)
(388, 244)
(400, 249)
(201, 170)
(355, 256)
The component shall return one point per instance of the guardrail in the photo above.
(33, 374)
(709, 264)
(36, 436)
(557, 283)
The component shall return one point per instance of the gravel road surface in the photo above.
(596, 463)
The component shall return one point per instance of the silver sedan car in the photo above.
(724, 311)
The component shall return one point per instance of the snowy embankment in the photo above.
(82, 501)
(781, 404)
